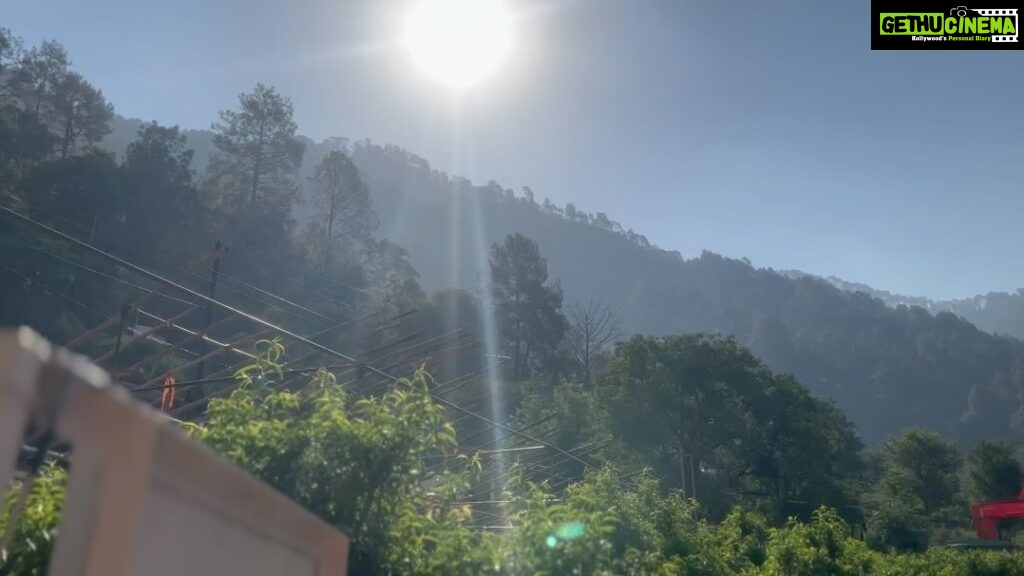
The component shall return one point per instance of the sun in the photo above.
(458, 42)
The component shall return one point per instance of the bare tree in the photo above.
(593, 326)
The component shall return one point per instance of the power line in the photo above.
(259, 321)
(222, 275)
(390, 378)
(93, 270)
(335, 323)
(187, 383)
(56, 292)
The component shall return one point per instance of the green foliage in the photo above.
(528, 306)
(32, 541)
(161, 154)
(886, 367)
(360, 465)
(994, 472)
(945, 562)
(357, 464)
(160, 197)
(350, 462)
(10, 49)
(895, 528)
(568, 415)
(394, 280)
(611, 529)
(747, 430)
(252, 182)
(737, 544)
(24, 141)
(51, 95)
(80, 112)
(86, 187)
(256, 146)
(917, 499)
(922, 471)
(344, 217)
(822, 547)
(43, 286)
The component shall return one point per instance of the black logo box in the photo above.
(900, 42)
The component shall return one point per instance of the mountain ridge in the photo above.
(995, 312)
(887, 367)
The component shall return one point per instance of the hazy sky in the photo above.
(750, 128)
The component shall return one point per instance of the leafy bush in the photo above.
(357, 464)
(361, 466)
(32, 541)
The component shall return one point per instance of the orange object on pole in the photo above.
(167, 396)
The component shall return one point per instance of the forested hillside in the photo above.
(887, 365)
(995, 312)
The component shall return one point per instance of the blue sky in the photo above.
(754, 129)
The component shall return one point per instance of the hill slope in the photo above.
(995, 312)
(887, 367)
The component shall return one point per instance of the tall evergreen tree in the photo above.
(45, 92)
(37, 75)
(252, 176)
(528, 306)
(79, 113)
(10, 50)
(165, 213)
(344, 213)
(256, 146)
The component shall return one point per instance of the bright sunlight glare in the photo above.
(458, 42)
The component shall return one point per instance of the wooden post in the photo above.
(142, 497)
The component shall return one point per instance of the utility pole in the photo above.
(693, 480)
(211, 291)
(681, 456)
(125, 311)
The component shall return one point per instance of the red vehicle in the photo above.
(987, 516)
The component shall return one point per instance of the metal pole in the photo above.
(125, 310)
(142, 300)
(201, 369)
(693, 481)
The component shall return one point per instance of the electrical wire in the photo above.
(282, 331)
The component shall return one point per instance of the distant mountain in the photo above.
(889, 298)
(123, 131)
(995, 312)
(886, 364)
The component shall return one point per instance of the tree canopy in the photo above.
(528, 306)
